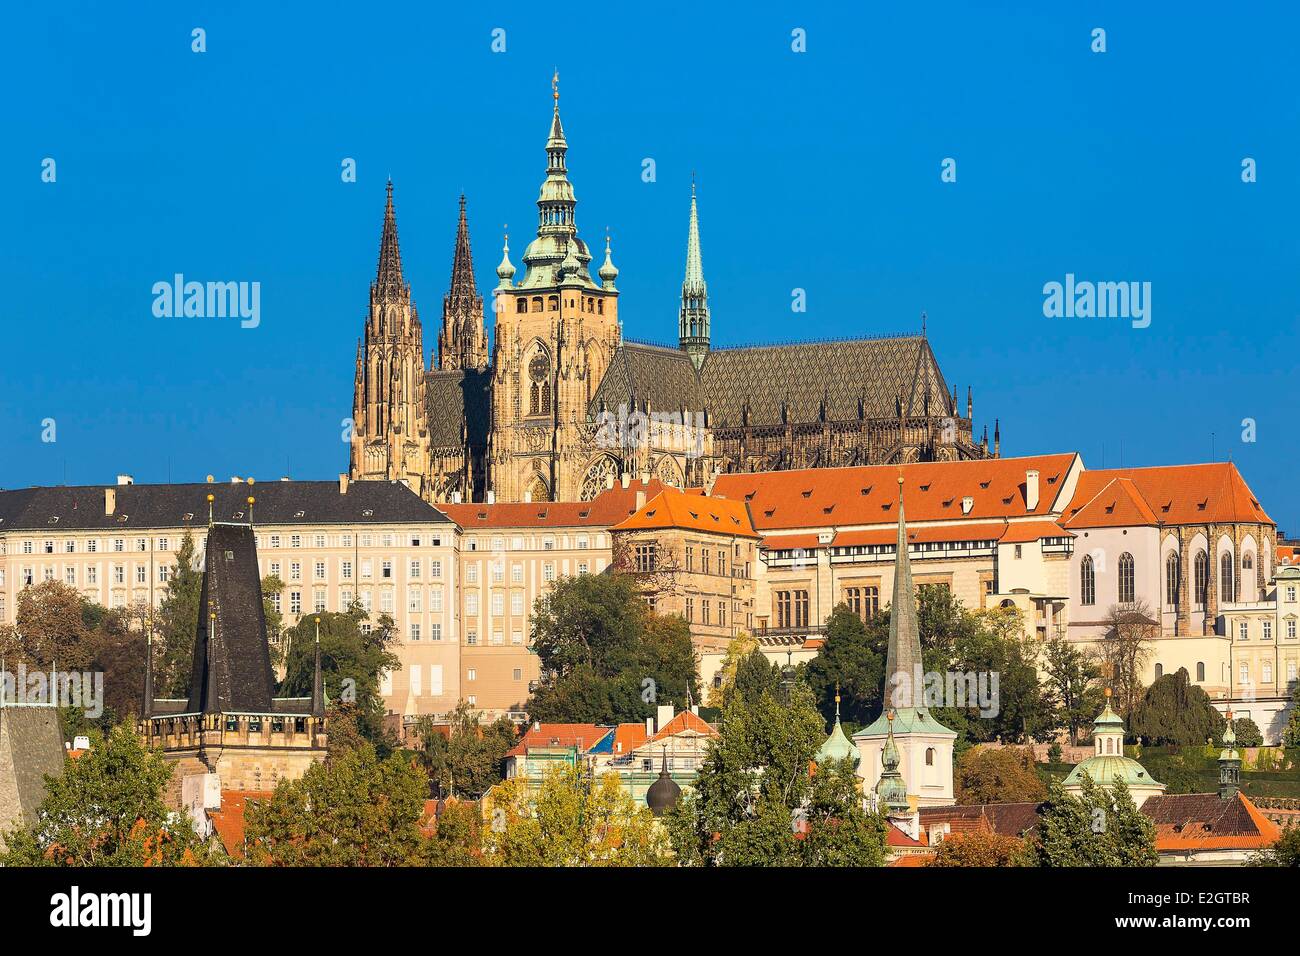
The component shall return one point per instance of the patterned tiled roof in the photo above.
(639, 373)
(456, 400)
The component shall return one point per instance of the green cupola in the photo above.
(837, 746)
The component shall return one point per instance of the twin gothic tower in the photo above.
(544, 415)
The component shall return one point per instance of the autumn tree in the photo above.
(467, 760)
(738, 648)
(572, 820)
(998, 775)
(107, 809)
(982, 847)
(356, 810)
(51, 629)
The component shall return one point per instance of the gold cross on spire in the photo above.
(555, 86)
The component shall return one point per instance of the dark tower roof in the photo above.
(388, 277)
(463, 290)
(232, 665)
(664, 793)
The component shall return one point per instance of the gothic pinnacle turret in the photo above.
(388, 277)
(462, 342)
(693, 322)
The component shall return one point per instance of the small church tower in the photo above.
(924, 746)
(462, 343)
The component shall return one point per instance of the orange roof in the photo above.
(1288, 554)
(1205, 821)
(583, 736)
(684, 722)
(897, 838)
(627, 737)
(674, 509)
(868, 494)
(915, 859)
(1007, 533)
(228, 819)
(1171, 494)
(608, 508)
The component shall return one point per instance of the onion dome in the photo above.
(505, 271)
(891, 791)
(608, 272)
(837, 746)
(664, 792)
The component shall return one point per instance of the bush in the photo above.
(1248, 732)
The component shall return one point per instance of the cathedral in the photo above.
(560, 405)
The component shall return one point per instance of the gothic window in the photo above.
(1171, 580)
(539, 491)
(600, 306)
(532, 399)
(546, 398)
(600, 475)
(521, 304)
(1226, 589)
(539, 391)
(1126, 588)
(1087, 581)
(1202, 573)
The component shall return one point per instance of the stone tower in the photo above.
(390, 436)
(693, 322)
(556, 331)
(462, 342)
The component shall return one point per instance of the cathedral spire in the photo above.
(462, 342)
(388, 277)
(693, 322)
(903, 659)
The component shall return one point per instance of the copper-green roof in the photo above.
(907, 720)
(837, 747)
(1106, 768)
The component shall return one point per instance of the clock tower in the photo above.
(556, 331)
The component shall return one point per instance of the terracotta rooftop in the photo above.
(228, 820)
(1171, 494)
(582, 736)
(1205, 821)
(675, 509)
(606, 509)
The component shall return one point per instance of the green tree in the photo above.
(755, 674)
(458, 839)
(352, 662)
(738, 649)
(51, 627)
(106, 809)
(998, 775)
(755, 790)
(572, 820)
(852, 659)
(1285, 852)
(354, 810)
(1174, 772)
(178, 619)
(1100, 827)
(468, 759)
(1175, 711)
(271, 587)
(1072, 685)
(1247, 732)
(605, 657)
(1291, 733)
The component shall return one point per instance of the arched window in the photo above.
(532, 399)
(553, 303)
(1201, 569)
(1226, 590)
(1160, 671)
(1171, 580)
(1110, 745)
(546, 398)
(521, 304)
(1200, 672)
(1087, 581)
(1126, 589)
(929, 756)
(1247, 561)
(600, 306)
(537, 303)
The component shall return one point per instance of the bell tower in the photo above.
(556, 332)
(462, 342)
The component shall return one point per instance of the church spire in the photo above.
(693, 322)
(462, 342)
(388, 277)
(903, 660)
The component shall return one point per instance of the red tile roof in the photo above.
(867, 495)
(228, 819)
(608, 508)
(627, 737)
(684, 722)
(915, 859)
(897, 838)
(674, 509)
(583, 736)
(1205, 821)
(1172, 494)
(1005, 532)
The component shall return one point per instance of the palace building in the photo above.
(561, 405)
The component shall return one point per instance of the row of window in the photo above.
(414, 569)
(522, 543)
(1126, 586)
(497, 572)
(119, 545)
(587, 303)
(90, 546)
(706, 616)
(117, 574)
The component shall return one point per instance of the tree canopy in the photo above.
(1175, 711)
(998, 775)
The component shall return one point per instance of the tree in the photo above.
(852, 659)
(272, 586)
(1291, 733)
(1247, 732)
(1285, 852)
(572, 820)
(1100, 827)
(738, 649)
(998, 775)
(107, 809)
(467, 760)
(755, 674)
(1125, 649)
(1175, 711)
(352, 662)
(355, 810)
(51, 628)
(458, 839)
(1071, 683)
(982, 847)
(754, 793)
(178, 619)
(605, 657)
(1174, 772)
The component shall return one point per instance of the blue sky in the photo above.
(817, 170)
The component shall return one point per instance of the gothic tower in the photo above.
(556, 331)
(462, 342)
(693, 324)
(390, 436)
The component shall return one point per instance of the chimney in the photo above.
(125, 480)
(967, 504)
(110, 500)
(1031, 490)
(645, 477)
(626, 479)
(491, 497)
(528, 497)
(537, 725)
(649, 726)
(664, 713)
(695, 709)
(343, 484)
(640, 500)
(455, 497)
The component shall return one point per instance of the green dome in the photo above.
(1104, 769)
(837, 747)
